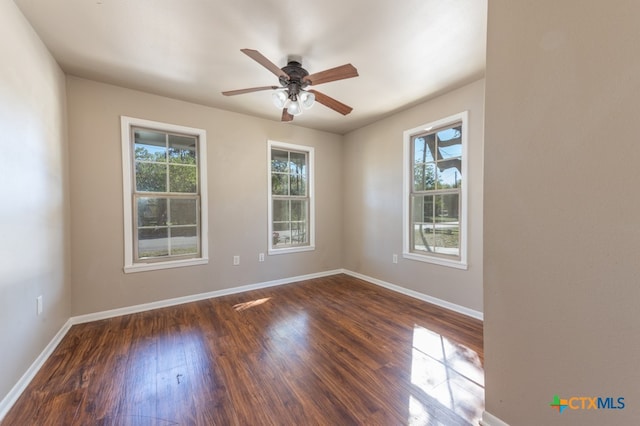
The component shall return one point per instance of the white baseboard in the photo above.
(421, 296)
(15, 392)
(489, 419)
(195, 297)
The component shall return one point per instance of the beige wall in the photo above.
(373, 201)
(237, 179)
(34, 254)
(561, 209)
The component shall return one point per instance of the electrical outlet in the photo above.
(261, 257)
(236, 260)
(395, 258)
(39, 304)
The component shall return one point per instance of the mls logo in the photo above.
(559, 404)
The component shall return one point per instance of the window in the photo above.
(165, 197)
(291, 203)
(435, 192)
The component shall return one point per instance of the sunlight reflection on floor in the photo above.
(445, 374)
(250, 304)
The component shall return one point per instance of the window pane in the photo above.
(449, 175)
(151, 177)
(281, 233)
(446, 207)
(279, 184)
(450, 149)
(450, 143)
(447, 225)
(152, 242)
(182, 149)
(279, 161)
(184, 240)
(182, 179)
(447, 240)
(424, 177)
(280, 210)
(298, 232)
(422, 209)
(298, 163)
(150, 145)
(423, 237)
(281, 226)
(421, 152)
(417, 206)
(298, 185)
(183, 212)
(450, 158)
(298, 210)
(152, 211)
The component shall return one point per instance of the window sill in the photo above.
(291, 250)
(458, 264)
(142, 267)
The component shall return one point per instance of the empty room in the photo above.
(289, 213)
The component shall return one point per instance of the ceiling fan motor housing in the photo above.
(296, 75)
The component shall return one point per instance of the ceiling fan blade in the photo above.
(262, 60)
(329, 102)
(333, 74)
(286, 116)
(252, 89)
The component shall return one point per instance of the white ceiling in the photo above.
(406, 51)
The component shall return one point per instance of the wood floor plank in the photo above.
(327, 351)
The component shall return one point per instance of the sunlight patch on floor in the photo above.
(448, 374)
(250, 304)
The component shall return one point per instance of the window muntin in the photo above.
(435, 192)
(290, 198)
(165, 196)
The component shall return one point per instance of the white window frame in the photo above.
(130, 265)
(311, 195)
(460, 263)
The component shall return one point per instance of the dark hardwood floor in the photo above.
(328, 351)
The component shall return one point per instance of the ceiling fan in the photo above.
(292, 94)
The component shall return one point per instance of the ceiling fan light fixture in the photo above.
(307, 99)
(294, 108)
(280, 98)
(291, 96)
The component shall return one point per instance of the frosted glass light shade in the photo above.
(279, 98)
(294, 108)
(307, 99)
